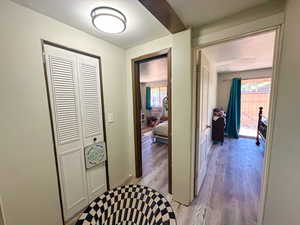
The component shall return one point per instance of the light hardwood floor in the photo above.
(155, 164)
(230, 192)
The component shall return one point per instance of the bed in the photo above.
(262, 127)
(160, 133)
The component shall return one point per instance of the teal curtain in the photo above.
(148, 98)
(233, 118)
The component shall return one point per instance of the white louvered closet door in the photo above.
(62, 76)
(90, 96)
(91, 109)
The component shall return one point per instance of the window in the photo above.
(255, 93)
(157, 96)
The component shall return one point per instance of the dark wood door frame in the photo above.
(137, 110)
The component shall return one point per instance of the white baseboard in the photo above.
(126, 180)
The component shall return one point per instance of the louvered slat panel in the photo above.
(64, 97)
(91, 99)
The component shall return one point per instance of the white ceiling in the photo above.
(199, 12)
(141, 25)
(154, 70)
(253, 52)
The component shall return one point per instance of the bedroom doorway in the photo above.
(152, 120)
(235, 78)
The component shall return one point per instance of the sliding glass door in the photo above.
(255, 93)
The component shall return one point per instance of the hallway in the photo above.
(232, 186)
(231, 189)
(230, 192)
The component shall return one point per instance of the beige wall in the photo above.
(181, 106)
(282, 199)
(27, 168)
(224, 82)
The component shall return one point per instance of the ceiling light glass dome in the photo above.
(108, 20)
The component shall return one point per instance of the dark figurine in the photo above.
(218, 125)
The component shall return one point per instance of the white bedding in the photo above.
(161, 129)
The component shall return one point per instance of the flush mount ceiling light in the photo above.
(108, 20)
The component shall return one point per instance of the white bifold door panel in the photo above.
(76, 108)
(73, 181)
(64, 97)
(90, 99)
(95, 176)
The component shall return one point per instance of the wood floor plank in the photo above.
(231, 189)
(155, 164)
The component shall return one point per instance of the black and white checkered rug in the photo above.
(129, 205)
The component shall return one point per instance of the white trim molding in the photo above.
(271, 116)
(239, 30)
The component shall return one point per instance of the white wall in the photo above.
(224, 82)
(251, 20)
(181, 107)
(282, 199)
(182, 116)
(241, 18)
(27, 168)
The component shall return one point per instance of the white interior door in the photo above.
(203, 122)
(62, 76)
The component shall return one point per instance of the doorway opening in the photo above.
(152, 120)
(234, 106)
